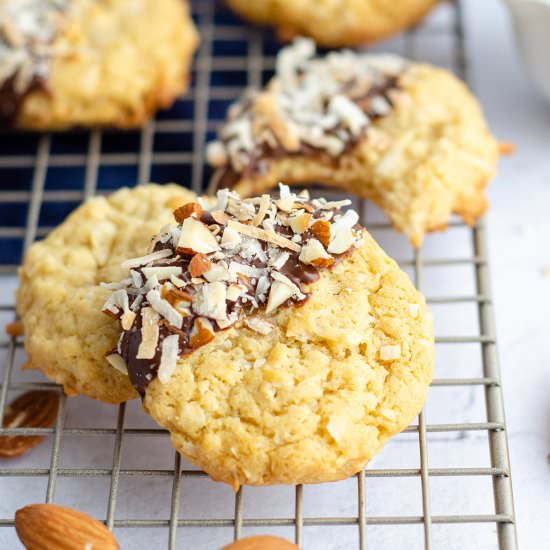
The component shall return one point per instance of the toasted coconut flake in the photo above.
(331, 205)
(116, 302)
(176, 281)
(117, 361)
(237, 268)
(278, 259)
(149, 333)
(347, 220)
(164, 308)
(142, 260)
(161, 272)
(264, 235)
(265, 203)
(168, 358)
(136, 278)
(259, 325)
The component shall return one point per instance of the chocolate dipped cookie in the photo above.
(272, 338)
(408, 136)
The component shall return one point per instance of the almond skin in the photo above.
(14, 329)
(261, 542)
(34, 409)
(190, 209)
(321, 231)
(198, 265)
(52, 527)
(322, 262)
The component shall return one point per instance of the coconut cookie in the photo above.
(408, 136)
(274, 339)
(335, 22)
(59, 298)
(87, 63)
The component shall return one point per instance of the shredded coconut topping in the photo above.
(225, 265)
(27, 30)
(311, 105)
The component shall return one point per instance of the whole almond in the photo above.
(321, 231)
(52, 527)
(34, 409)
(261, 542)
(190, 209)
(198, 265)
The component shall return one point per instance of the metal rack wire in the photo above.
(49, 174)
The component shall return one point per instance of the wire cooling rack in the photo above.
(443, 483)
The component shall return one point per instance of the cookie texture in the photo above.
(342, 374)
(86, 63)
(410, 137)
(334, 22)
(59, 298)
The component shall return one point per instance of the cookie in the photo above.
(70, 63)
(408, 136)
(274, 339)
(337, 22)
(59, 298)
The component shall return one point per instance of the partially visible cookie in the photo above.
(334, 22)
(87, 63)
(274, 339)
(59, 298)
(408, 136)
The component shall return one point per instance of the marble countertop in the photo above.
(519, 233)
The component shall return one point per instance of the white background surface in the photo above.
(519, 231)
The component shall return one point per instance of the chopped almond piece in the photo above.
(202, 333)
(321, 231)
(314, 251)
(195, 237)
(190, 209)
(299, 222)
(199, 264)
(342, 241)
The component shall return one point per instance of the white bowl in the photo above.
(532, 25)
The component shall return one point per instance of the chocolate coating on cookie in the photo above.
(313, 107)
(217, 268)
